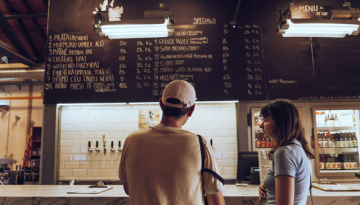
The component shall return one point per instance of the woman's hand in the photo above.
(262, 192)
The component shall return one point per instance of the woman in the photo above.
(288, 180)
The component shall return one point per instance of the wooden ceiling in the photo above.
(24, 27)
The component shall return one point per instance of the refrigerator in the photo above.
(336, 133)
(258, 139)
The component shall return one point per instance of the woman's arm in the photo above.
(284, 190)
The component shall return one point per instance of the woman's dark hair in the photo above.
(177, 113)
(287, 125)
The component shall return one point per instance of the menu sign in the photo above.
(222, 62)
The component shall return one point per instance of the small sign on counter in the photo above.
(264, 164)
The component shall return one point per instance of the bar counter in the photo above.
(234, 195)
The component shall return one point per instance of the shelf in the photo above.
(335, 128)
(339, 149)
(339, 171)
(257, 128)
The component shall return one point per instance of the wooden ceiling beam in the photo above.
(12, 37)
(35, 22)
(26, 16)
(24, 30)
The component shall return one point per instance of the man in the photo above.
(162, 164)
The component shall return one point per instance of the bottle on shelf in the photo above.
(342, 142)
(350, 140)
(337, 140)
(257, 140)
(271, 143)
(267, 143)
(346, 140)
(262, 140)
(335, 159)
(339, 162)
(322, 162)
(331, 141)
(355, 162)
(347, 161)
(355, 142)
(325, 141)
(328, 163)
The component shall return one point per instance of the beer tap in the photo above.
(104, 142)
(97, 147)
(119, 149)
(112, 146)
(89, 145)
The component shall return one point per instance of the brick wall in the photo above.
(79, 124)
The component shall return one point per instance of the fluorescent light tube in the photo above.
(319, 30)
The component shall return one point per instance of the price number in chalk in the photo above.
(226, 77)
(227, 84)
(122, 43)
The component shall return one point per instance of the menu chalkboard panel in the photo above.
(245, 61)
(222, 62)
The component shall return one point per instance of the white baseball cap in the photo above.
(181, 90)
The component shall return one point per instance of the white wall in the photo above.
(13, 134)
(79, 124)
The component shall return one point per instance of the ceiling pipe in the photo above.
(23, 74)
(21, 98)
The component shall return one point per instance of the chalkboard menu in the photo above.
(245, 61)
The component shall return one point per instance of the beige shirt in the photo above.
(162, 165)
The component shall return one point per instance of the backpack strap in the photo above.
(203, 162)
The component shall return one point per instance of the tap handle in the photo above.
(119, 143)
(211, 142)
(97, 144)
(89, 144)
(112, 144)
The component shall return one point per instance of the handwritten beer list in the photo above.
(253, 56)
(225, 62)
(162, 60)
(69, 65)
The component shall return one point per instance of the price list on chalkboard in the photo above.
(253, 55)
(70, 65)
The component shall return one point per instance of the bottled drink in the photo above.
(271, 143)
(355, 142)
(262, 140)
(350, 139)
(355, 161)
(326, 141)
(346, 161)
(331, 141)
(322, 162)
(257, 140)
(337, 140)
(346, 141)
(320, 142)
(339, 162)
(334, 160)
(342, 142)
(267, 145)
(328, 162)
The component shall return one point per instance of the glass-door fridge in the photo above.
(258, 139)
(336, 132)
